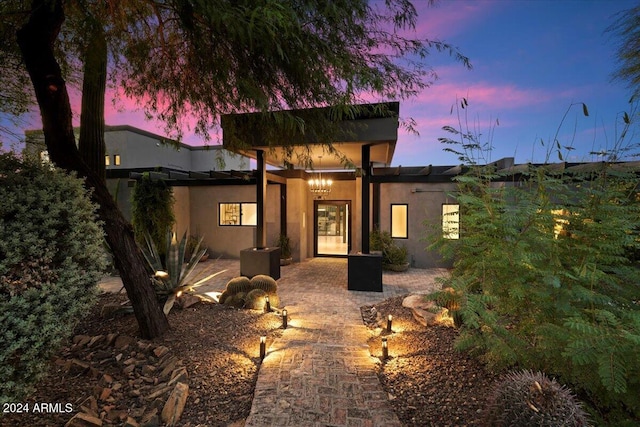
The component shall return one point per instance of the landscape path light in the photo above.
(385, 349)
(263, 347)
(389, 322)
(284, 318)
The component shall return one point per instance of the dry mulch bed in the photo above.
(427, 382)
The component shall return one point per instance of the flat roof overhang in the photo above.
(376, 126)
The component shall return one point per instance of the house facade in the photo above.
(217, 195)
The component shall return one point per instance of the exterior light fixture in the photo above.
(389, 322)
(161, 274)
(267, 304)
(319, 185)
(263, 347)
(385, 349)
(284, 318)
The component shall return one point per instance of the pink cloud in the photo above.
(443, 21)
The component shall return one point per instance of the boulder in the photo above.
(427, 313)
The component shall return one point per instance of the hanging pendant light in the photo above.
(319, 185)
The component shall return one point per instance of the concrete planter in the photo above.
(254, 261)
(364, 272)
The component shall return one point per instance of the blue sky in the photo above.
(531, 60)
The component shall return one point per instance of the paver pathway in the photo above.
(320, 371)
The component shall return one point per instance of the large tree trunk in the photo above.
(36, 40)
(94, 82)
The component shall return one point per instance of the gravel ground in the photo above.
(428, 382)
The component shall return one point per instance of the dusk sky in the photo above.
(531, 60)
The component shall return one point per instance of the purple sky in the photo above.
(531, 60)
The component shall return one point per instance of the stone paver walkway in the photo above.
(320, 371)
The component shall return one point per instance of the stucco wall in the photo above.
(227, 241)
(297, 219)
(424, 210)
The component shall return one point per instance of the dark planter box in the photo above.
(254, 261)
(365, 272)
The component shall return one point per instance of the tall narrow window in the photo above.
(116, 159)
(237, 214)
(107, 161)
(400, 221)
(451, 221)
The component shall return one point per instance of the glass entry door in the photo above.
(333, 227)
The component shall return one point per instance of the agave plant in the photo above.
(170, 277)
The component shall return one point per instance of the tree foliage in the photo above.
(545, 264)
(627, 30)
(198, 59)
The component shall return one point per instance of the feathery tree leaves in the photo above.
(184, 59)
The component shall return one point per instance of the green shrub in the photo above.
(152, 211)
(51, 257)
(392, 254)
(528, 399)
(284, 243)
(543, 266)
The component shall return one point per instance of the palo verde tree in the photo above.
(201, 59)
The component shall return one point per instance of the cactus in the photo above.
(224, 296)
(525, 398)
(255, 299)
(239, 284)
(266, 283)
(238, 299)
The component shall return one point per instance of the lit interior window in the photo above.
(116, 159)
(106, 160)
(451, 221)
(237, 214)
(399, 221)
(561, 221)
(249, 214)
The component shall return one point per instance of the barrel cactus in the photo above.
(255, 299)
(237, 300)
(224, 296)
(525, 398)
(264, 282)
(239, 284)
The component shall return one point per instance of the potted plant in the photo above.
(394, 257)
(284, 243)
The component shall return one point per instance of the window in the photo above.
(116, 159)
(400, 221)
(106, 160)
(237, 214)
(451, 221)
